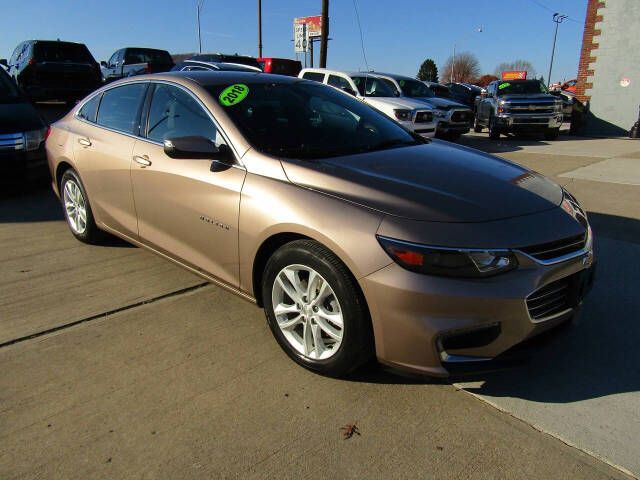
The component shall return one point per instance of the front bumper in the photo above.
(528, 121)
(416, 316)
(427, 130)
(455, 122)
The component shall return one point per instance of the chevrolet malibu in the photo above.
(358, 237)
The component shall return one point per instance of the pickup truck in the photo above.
(518, 106)
(128, 62)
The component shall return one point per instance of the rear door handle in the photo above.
(84, 141)
(142, 160)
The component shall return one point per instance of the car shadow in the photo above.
(596, 357)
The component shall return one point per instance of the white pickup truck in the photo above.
(412, 114)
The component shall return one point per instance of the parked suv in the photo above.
(464, 93)
(128, 62)
(412, 114)
(518, 106)
(54, 70)
(453, 119)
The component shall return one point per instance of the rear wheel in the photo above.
(315, 309)
(494, 133)
(477, 127)
(77, 210)
(551, 133)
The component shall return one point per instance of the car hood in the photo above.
(438, 182)
(395, 102)
(528, 96)
(437, 102)
(19, 117)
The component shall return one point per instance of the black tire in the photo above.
(477, 127)
(494, 132)
(551, 133)
(357, 346)
(91, 233)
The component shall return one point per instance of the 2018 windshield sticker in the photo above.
(503, 85)
(233, 94)
(402, 83)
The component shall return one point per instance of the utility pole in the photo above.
(557, 18)
(259, 28)
(198, 8)
(324, 35)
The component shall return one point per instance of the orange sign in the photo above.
(520, 75)
(314, 24)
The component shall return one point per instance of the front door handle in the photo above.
(84, 141)
(143, 160)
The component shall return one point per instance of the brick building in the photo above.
(609, 69)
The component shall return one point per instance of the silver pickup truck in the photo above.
(518, 106)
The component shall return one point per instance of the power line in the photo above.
(361, 37)
(541, 5)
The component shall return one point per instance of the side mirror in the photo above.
(104, 64)
(196, 148)
(3, 61)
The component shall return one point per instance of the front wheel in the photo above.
(477, 127)
(551, 133)
(315, 310)
(494, 133)
(77, 210)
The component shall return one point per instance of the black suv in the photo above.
(464, 93)
(54, 70)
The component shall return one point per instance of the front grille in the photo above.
(557, 248)
(424, 117)
(530, 107)
(461, 116)
(551, 299)
(11, 141)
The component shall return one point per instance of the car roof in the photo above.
(395, 76)
(221, 65)
(224, 77)
(331, 70)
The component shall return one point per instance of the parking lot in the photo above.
(117, 364)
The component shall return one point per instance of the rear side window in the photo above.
(285, 67)
(315, 76)
(90, 109)
(146, 55)
(120, 107)
(62, 52)
(174, 113)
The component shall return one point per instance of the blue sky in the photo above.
(398, 35)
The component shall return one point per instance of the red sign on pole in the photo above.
(314, 24)
(519, 75)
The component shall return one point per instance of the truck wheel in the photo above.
(551, 133)
(476, 126)
(494, 133)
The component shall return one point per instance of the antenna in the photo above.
(361, 37)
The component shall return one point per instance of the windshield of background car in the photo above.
(147, 55)
(285, 67)
(372, 87)
(414, 88)
(62, 52)
(307, 120)
(9, 93)
(520, 87)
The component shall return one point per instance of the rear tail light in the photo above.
(32, 61)
(46, 135)
(147, 68)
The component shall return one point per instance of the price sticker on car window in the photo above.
(233, 94)
(503, 85)
(402, 83)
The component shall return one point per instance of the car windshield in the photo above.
(414, 88)
(521, 86)
(307, 120)
(372, 87)
(9, 93)
(62, 52)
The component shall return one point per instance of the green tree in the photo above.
(428, 71)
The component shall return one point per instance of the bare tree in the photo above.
(466, 68)
(515, 66)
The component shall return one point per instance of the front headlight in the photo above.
(404, 115)
(34, 138)
(451, 262)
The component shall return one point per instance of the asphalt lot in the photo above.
(135, 369)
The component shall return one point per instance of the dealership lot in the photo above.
(163, 376)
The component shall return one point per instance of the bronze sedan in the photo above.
(357, 237)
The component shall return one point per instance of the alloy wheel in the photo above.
(307, 311)
(75, 207)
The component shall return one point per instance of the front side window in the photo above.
(309, 120)
(90, 109)
(175, 113)
(414, 88)
(372, 86)
(339, 82)
(120, 107)
(113, 59)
